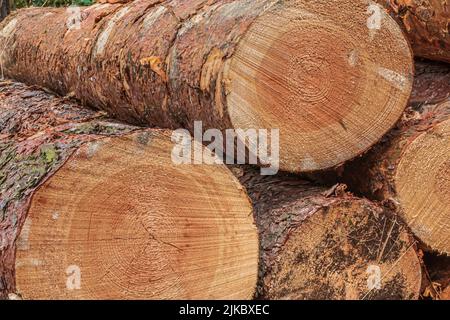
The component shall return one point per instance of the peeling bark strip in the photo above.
(318, 243)
(317, 70)
(93, 209)
(410, 168)
(426, 23)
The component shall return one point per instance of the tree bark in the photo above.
(410, 168)
(426, 23)
(92, 209)
(323, 243)
(312, 69)
(4, 9)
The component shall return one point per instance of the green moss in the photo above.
(49, 154)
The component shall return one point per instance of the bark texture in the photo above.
(38, 133)
(4, 9)
(230, 64)
(79, 190)
(426, 23)
(385, 166)
(121, 49)
(323, 243)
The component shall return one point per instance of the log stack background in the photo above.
(361, 209)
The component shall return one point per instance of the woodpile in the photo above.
(230, 64)
(95, 101)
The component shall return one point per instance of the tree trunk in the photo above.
(426, 23)
(92, 209)
(319, 243)
(318, 71)
(4, 9)
(410, 168)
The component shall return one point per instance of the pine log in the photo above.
(312, 69)
(426, 23)
(89, 199)
(319, 243)
(410, 169)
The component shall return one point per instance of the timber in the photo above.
(94, 209)
(325, 244)
(409, 170)
(426, 24)
(315, 70)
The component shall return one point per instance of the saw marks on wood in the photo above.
(317, 72)
(332, 75)
(423, 186)
(348, 251)
(135, 226)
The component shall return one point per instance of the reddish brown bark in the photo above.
(318, 243)
(38, 133)
(230, 64)
(426, 23)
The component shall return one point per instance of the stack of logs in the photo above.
(92, 205)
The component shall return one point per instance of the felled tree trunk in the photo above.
(315, 70)
(92, 209)
(410, 168)
(426, 23)
(319, 243)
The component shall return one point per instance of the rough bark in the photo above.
(231, 64)
(322, 243)
(4, 9)
(80, 190)
(409, 168)
(438, 274)
(426, 23)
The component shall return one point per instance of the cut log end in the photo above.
(130, 224)
(423, 186)
(332, 76)
(319, 243)
(346, 251)
(300, 70)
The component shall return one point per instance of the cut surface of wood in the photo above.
(410, 168)
(422, 181)
(318, 71)
(320, 243)
(98, 210)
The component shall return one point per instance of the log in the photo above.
(410, 169)
(323, 243)
(426, 24)
(93, 209)
(312, 69)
